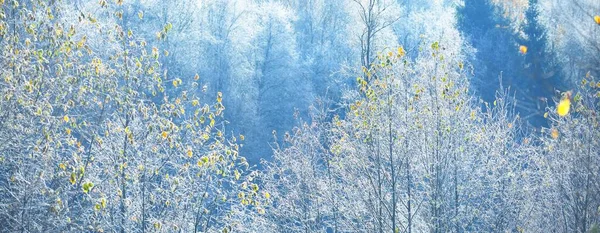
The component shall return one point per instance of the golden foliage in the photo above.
(563, 107)
(523, 49)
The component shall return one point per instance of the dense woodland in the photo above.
(299, 116)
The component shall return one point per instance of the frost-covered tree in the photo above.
(86, 147)
(569, 190)
(278, 87)
(323, 45)
(413, 153)
(373, 30)
(573, 35)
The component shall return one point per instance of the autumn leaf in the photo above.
(564, 105)
(81, 42)
(401, 51)
(189, 152)
(87, 186)
(554, 133)
(73, 178)
(523, 49)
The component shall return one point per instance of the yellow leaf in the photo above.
(196, 77)
(523, 49)
(597, 19)
(195, 102)
(545, 115)
(267, 195)
(66, 118)
(154, 51)
(189, 152)
(81, 42)
(141, 14)
(242, 137)
(87, 186)
(164, 134)
(554, 133)
(401, 52)
(219, 97)
(62, 166)
(68, 131)
(564, 106)
(73, 179)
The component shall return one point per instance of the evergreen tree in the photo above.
(496, 57)
(539, 72)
